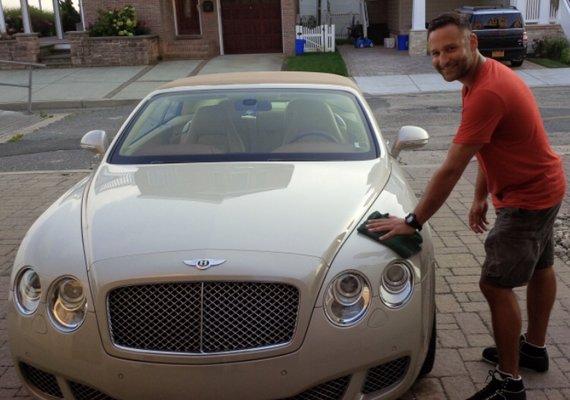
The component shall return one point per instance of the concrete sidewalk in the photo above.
(100, 86)
(419, 83)
(72, 87)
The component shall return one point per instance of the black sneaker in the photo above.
(501, 387)
(530, 357)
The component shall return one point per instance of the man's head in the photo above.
(452, 45)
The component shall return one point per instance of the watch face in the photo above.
(409, 219)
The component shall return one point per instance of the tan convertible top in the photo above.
(253, 78)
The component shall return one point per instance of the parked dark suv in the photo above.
(500, 31)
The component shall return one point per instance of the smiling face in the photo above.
(453, 51)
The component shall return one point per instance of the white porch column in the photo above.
(25, 16)
(2, 20)
(544, 12)
(82, 12)
(417, 45)
(521, 6)
(57, 18)
(419, 15)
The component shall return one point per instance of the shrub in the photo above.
(69, 15)
(115, 22)
(554, 46)
(538, 47)
(565, 56)
(42, 21)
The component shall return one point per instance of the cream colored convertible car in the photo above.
(214, 254)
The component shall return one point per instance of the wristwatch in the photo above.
(412, 221)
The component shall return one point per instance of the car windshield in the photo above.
(496, 21)
(281, 124)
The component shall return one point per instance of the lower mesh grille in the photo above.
(43, 381)
(203, 317)
(385, 375)
(331, 390)
(82, 392)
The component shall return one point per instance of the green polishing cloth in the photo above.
(405, 245)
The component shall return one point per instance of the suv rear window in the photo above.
(496, 21)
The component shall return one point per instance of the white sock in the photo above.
(518, 378)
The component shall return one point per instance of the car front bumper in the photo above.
(384, 341)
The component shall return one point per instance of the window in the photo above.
(282, 124)
(187, 14)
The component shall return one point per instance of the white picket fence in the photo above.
(320, 38)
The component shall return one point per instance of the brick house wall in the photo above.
(22, 47)
(158, 16)
(289, 11)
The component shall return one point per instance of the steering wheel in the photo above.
(320, 134)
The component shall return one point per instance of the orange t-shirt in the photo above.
(500, 111)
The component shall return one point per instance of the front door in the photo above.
(252, 26)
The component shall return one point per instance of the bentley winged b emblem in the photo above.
(204, 263)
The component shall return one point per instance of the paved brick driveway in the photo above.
(380, 61)
(463, 316)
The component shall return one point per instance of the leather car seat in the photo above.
(212, 125)
(304, 116)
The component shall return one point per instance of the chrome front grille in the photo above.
(203, 317)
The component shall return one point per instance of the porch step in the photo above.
(62, 59)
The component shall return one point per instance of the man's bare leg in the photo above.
(540, 296)
(507, 325)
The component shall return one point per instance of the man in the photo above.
(502, 127)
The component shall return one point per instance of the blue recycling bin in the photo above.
(300, 46)
(403, 42)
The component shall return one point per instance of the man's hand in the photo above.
(392, 226)
(478, 216)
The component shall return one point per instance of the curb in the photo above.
(64, 104)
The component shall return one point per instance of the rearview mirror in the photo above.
(409, 137)
(96, 141)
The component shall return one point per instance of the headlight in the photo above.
(67, 304)
(347, 299)
(27, 291)
(396, 286)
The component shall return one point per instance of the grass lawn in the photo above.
(548, 63)
(317, 62)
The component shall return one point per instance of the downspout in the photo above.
(220, 33)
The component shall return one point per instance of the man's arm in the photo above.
(437, 191)
(478, 213)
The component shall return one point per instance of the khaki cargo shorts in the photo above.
(520, 242)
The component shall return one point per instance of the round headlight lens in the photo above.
(396, 286)
(28, 291)
(67, 304)
(347, 299)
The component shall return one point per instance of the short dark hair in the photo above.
(449, 18)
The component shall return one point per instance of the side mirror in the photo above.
(409, 137)
(96, 141)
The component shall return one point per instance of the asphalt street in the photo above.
(56, 146)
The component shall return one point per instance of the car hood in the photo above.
(304, 208)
